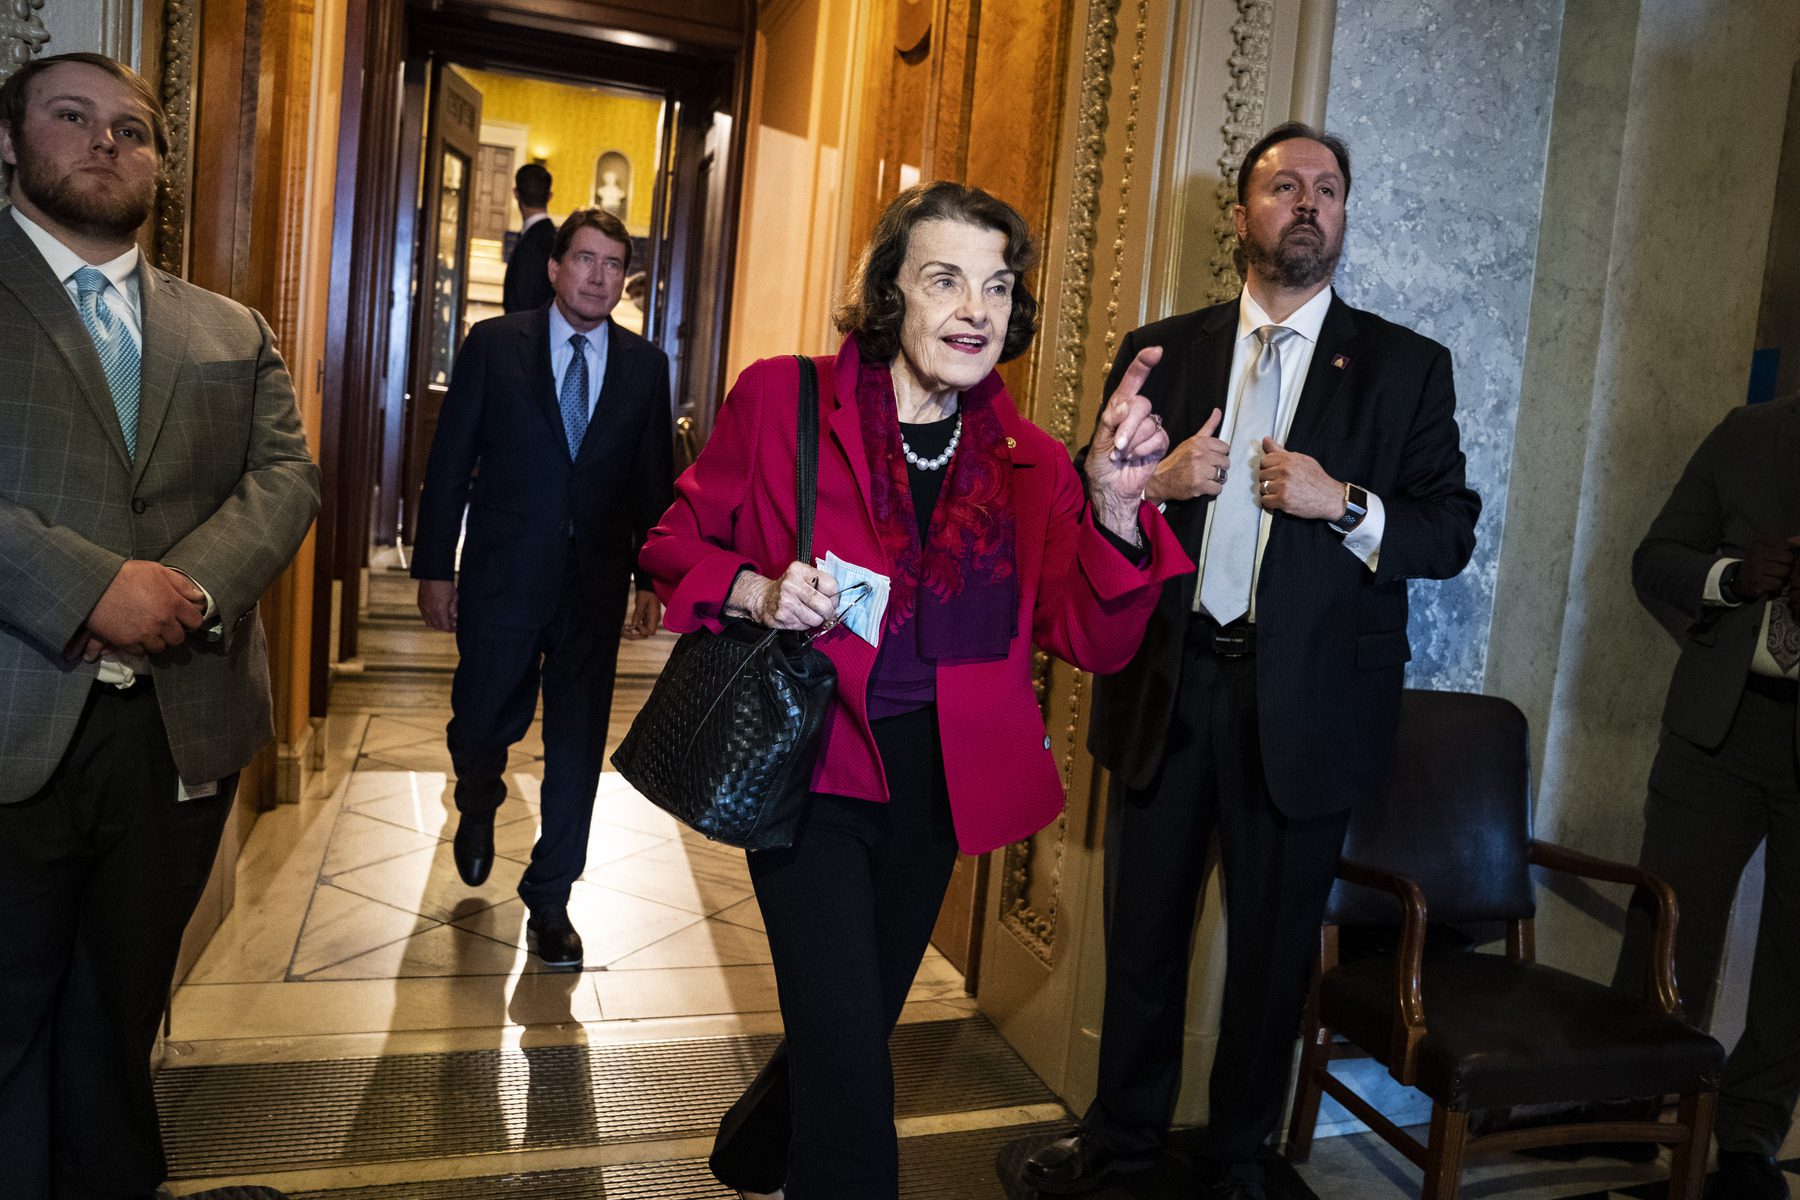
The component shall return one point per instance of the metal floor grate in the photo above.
(236, 1120)
(944, 1166)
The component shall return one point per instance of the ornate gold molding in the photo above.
(1030, 918)
(1083, 218)
(177, 97)
(22, 34)
(1127, 160)
(1246, 105)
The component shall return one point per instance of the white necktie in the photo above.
(1231, 546)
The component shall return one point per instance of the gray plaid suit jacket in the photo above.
(222, 488)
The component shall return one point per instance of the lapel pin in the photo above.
(1340, 361)
(1011, 444)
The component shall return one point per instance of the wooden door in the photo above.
(452, 150)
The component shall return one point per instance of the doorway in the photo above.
(639, 111)
(600, 145)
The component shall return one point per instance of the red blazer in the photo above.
(1080, 598)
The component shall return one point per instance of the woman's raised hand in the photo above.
(1128, 443)
(804, 597)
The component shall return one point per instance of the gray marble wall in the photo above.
(107, 26)
(1666, 137)
(1446, 107)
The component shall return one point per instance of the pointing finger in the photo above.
(1119, 404)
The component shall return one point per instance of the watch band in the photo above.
(1356, 507)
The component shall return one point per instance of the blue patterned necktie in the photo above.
(1237, 516)
(119, 356)
(574, 399)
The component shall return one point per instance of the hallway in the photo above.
(364, 1027)
(352, 942)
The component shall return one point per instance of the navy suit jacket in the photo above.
(500, 451)
(1742, 484)
(527, 282)
(1377, 409)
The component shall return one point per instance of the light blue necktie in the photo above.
(1237, 517)
(574, 399)
(119, 356)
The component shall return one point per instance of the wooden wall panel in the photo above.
(965, 97)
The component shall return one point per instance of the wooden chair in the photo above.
(1474, 1030)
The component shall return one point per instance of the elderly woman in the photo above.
(991, 543)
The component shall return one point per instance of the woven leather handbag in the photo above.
(727, 740)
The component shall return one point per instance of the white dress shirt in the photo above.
(1296, 358)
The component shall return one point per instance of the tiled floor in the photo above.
(351, 920)
(352, 935)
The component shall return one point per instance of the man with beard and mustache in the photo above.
(1316, 468)
(154, 480)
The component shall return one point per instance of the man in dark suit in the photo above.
(154, 480)
(567, 417)
(1316, 469)
(527, 282)
(1718, 570)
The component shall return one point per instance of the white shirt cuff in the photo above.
(1365, 540)
(1712, 593)
(207, 615)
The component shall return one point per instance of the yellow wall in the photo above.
(573, 126)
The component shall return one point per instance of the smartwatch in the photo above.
(1356, 507)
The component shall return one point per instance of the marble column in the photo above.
(1666, 137)
(1446, 108)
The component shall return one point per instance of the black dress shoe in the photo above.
(1078, 1163)
(551, 936)
(473, 849)
(1746, 1175)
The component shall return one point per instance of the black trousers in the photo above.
(493, 698)
(1705, 815)
(1277, 875)
(99, 873)
(849, 911)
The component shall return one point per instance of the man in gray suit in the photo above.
(154, 479)
(1718, 569)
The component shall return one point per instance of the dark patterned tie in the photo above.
(1784, 635)
(119, 356)
(574, 398)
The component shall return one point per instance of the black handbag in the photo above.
(727, 740)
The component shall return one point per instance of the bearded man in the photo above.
(154, 479)
(1317, 467)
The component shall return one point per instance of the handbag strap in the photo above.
(806, 459)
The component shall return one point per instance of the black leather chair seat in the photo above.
(1582, 1041)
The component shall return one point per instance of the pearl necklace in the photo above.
(934, 464)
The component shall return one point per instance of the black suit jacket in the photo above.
(527, 283)
(531, 507)
(1742, 484)
(1377, 409)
